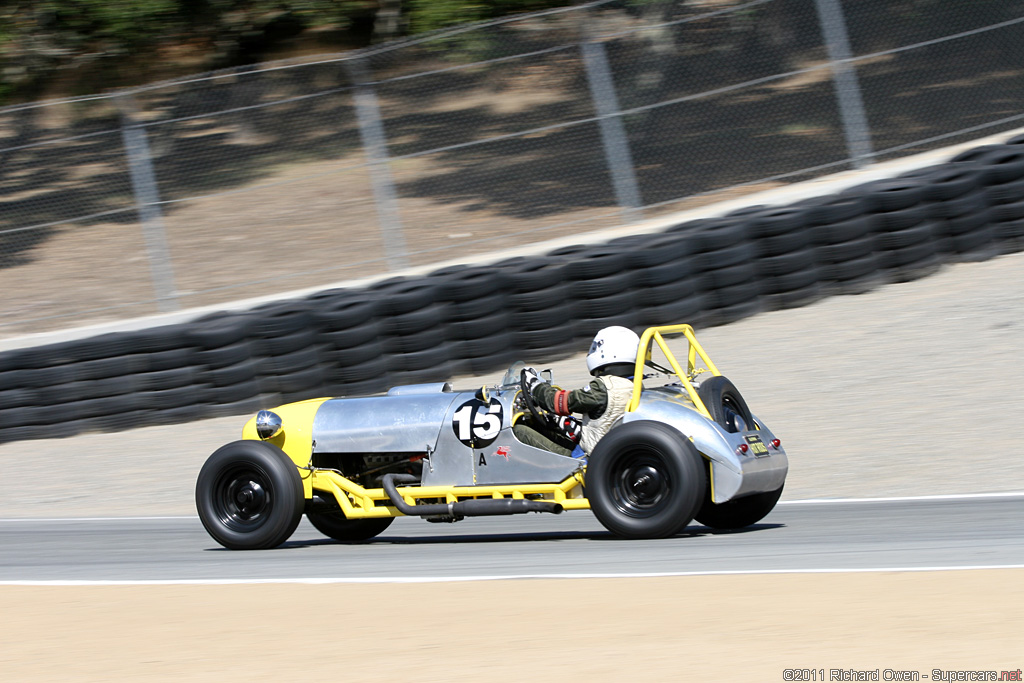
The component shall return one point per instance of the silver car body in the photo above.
(468, 441)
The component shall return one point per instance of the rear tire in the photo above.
(738, 513)
(249, 496)
(335, 525)
(645, 480)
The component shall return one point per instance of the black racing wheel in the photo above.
(249, 495)
(645, 480)
(737, 513)
(335, 525)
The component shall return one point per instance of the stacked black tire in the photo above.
(350, 334)
(841, 235)
(723, 258)
(477, 319)
(787, 261)
(110, 382)
(906, 239)
(475, 303)
(541, 314)
(600, 289)
(414, 323)
(224, 356)
(663, 276)
(287, 351)
(1000, 173)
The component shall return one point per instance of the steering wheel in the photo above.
(543, 421)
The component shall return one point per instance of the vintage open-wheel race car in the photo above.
(686, 449)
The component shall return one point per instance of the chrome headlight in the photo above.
(268, 424)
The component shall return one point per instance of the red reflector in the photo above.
(743, 448)
(776, 443)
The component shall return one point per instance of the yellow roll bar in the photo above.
(644, 354)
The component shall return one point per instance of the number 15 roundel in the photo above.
(477, 423)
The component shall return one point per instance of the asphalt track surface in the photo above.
(802, 536)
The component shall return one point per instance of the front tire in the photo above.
(249, 496)
(645, 480)
(738, 513)
(335, 525)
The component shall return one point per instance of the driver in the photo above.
(611, 360)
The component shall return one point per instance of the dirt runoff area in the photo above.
(909, 389)
(703, 628)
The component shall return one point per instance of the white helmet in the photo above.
(612, 345)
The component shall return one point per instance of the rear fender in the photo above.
(732, 474)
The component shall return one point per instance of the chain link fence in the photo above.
(290, 175)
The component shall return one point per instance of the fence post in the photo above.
(147, 199)
(613, 133)
(844, 77)
(371, 131)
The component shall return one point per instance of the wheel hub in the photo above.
(642, 486)
(251, 496)
(647, 481)
(244, 498)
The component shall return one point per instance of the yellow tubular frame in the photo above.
(644, 353)
(359, 503)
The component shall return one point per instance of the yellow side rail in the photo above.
(357, 502)
(644, 354)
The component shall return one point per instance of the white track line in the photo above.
(91, 519)
(506, 577)
(805, 501)
(900, 499)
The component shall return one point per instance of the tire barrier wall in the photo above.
(475, 319)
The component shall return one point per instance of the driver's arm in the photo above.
(590, 400)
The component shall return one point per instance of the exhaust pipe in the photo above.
(462, 509)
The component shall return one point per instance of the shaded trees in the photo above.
(74, 47)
